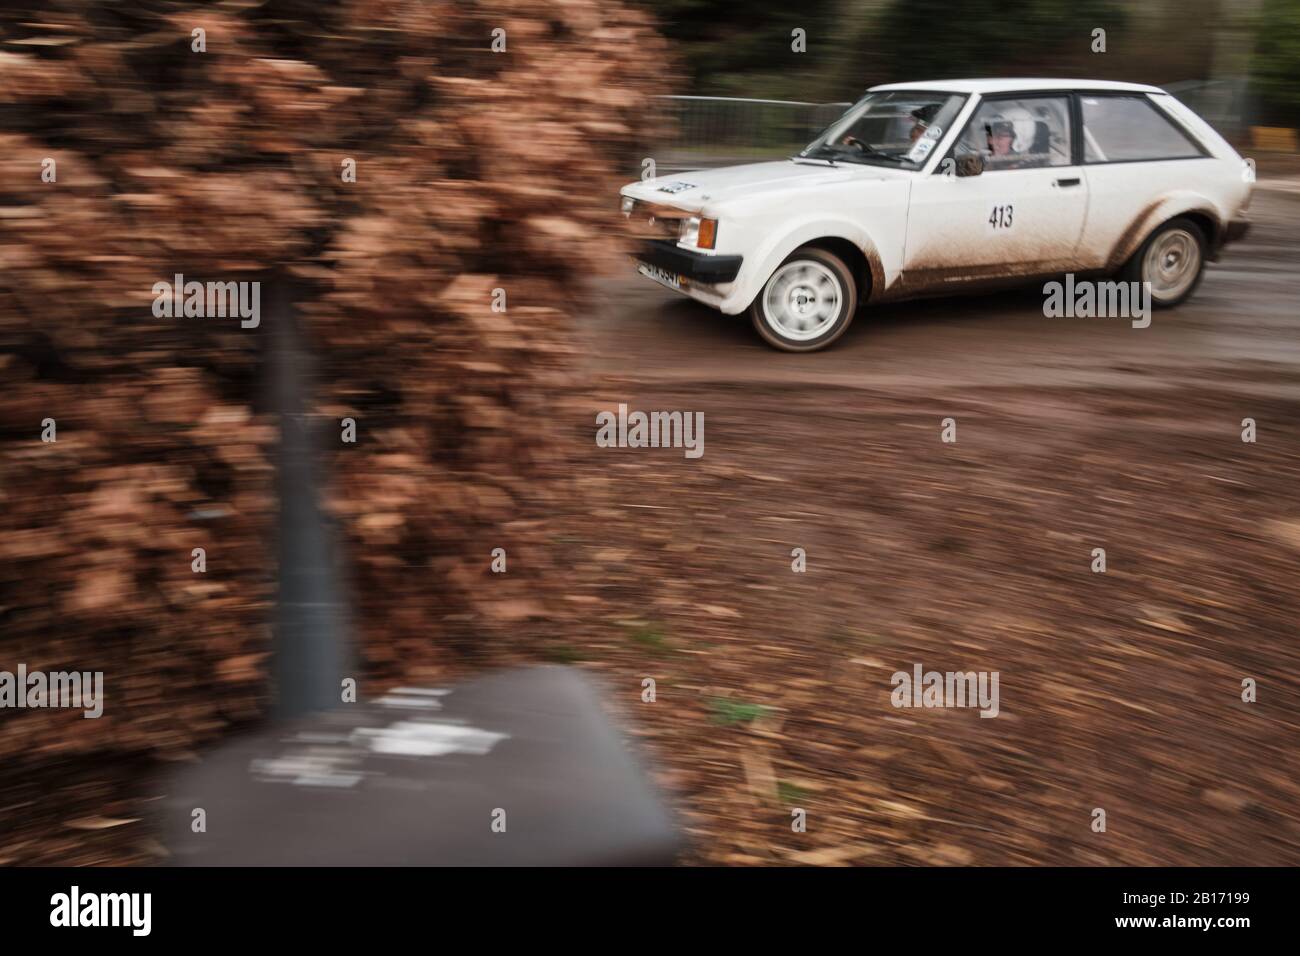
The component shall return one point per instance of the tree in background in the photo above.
(745, 50)
(1276, 64)
(851, 44)
(959, 38)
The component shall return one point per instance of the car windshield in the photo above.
(895, 128)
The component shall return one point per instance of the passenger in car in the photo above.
(1002, 145)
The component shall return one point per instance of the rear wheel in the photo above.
(1172, 260)
(807, 303)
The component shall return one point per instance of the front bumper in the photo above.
(696, 266)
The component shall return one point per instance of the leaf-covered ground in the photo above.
(1119, 690)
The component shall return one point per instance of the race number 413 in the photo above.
(1001, 217)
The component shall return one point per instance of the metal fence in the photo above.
(1224, 104)
(698, 131)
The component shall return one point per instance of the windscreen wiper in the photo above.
(807, 154)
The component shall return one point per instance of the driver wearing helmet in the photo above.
(924, 116)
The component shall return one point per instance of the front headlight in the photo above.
(628, 205)
(700, 233)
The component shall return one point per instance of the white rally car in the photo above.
(938, 187)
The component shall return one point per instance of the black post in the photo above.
(311, 655)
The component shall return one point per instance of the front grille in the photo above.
(650, 221)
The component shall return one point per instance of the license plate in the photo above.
(670, 279)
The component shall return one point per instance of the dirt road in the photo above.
(1120, 691)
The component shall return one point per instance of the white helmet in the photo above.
(1019, 120)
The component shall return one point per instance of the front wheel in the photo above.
(1172, 260)
(807, 303)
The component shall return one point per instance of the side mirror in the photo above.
(971, 164)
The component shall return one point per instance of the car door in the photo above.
(1022, 215)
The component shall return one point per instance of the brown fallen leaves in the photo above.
(475, 171)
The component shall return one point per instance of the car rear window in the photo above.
(1118, 129)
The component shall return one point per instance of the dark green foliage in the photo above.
(1276, 66)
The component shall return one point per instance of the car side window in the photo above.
(1019, 133)
(1119, 129)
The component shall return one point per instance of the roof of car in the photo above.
(1018, 85)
